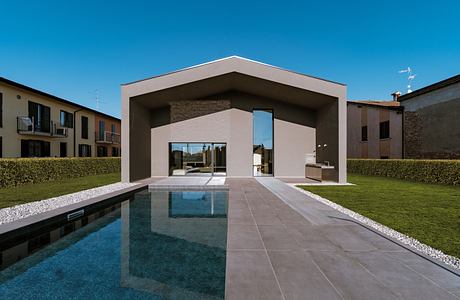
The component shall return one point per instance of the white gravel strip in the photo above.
(407, 240)
(21, 211)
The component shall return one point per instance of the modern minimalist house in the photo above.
(233, 117)
(374, 129)
(36, 124)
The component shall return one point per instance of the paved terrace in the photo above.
(315, 252)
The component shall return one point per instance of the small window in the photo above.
(385, 130)
(84, 127)
(364, 133)
(84, 150)
(115, 151)
(66, 119)
(113, 128)
(384, 157)
(101, 151)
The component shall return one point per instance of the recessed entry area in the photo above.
(198, 159)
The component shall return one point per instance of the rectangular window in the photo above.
(113, 128)
(1, 110)
(1, 147)
(364, 133)
(66, 119)
(101, 151)
(115, 152)
(197, 159)
(84, 150)
(385, 130)
(84, 127)
(34, 148)
(262, 142)
(40, 116)
(63, 149)
(101, 130)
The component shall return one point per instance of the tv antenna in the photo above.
(97, 98)
(410, 77)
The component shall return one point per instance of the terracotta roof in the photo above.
(385, 103)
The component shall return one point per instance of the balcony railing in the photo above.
(108, 137)
(28, 126)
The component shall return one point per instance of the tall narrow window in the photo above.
(1, 110)
(113, 128)
(40, 116)
(263, 142)
(385, 130)
(364, 133)
(66, 119)
(101, 130)
(84, 127)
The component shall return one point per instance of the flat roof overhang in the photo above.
(234, 74)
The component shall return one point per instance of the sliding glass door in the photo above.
(199, 159)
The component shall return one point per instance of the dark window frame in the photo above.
(66, 119)
(1, 110)
(384, 130)
(84, 150)
(364, 134)
(84, 127)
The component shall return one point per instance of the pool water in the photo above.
(157, 245)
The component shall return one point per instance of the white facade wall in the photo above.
(234, 127)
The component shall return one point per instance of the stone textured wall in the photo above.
(184, 110)
(412, 135)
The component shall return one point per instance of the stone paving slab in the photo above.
(281, 244)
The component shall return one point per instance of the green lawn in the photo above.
(39, 191)
(427, 212)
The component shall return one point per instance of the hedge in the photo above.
(427, 171)
(18, 171)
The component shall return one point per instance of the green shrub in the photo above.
(428, 171)
(18, 171)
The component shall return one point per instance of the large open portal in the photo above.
(198, 159)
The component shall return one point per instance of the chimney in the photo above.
(396, 95)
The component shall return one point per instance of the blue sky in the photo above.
(72, 48)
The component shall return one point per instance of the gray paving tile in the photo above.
(276, 237)
(240, 216)
(243, 237)
(376, 240)
(249, 275)
(441, 276)
(311, 238)
(346, 239)
(299, 277)
(349, 277)
(400, 278)
(266, 218)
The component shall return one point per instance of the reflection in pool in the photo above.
(159, 245)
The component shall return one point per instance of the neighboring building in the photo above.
(432, 121)
(232, 117)
(36, 124)
(108, 139)
(374, 129)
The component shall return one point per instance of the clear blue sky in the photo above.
(72, 49)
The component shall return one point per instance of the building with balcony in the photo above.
(36, 124)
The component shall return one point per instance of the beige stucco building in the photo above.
(36, 124)
(232, 117)
(374, 129)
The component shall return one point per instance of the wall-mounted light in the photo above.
(18, 97)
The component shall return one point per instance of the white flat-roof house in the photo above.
(232, 117)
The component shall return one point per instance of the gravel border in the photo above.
(449, 260)
(14, 213)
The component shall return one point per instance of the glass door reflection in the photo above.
(199, 159)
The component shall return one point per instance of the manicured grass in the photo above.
(32, 192)
(427, 212)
